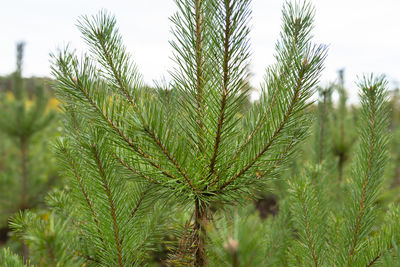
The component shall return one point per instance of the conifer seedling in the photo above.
(202, 151)
(23, 116)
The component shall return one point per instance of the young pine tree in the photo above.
(123, 142)
(322, 126)
(23, 118)
(343, 137)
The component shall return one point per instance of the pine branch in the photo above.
(171, 158)
(110, 62)
(132, 144)
(272, 138)
(101, 34)
(126, 165)
(372, 262)
(308, 231)
(224, 91)
(255, 130)
(111, 203)
(296, 42)
(71, 162)
(192, 77)
(369, 162)
(199, 72)
(365, 184)
(301, 68)
(88, 258)
(308, 218)
(107, 37)
(139, 202)
(381, 245)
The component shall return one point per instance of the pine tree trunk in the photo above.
(200, 223)
(24, 159)
(340, 167)
(24, 152)
(235, 259)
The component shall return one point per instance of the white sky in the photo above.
(363, 35)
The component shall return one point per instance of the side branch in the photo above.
(308, 231)
(117, 75)
(147, 130)
(169, 156)
(126, 165)
(272, 139)
(139, 202)
(281, 158)
(111, 203)
(199, 74)
(252, 134)
(372, 262)
(125, 138)
(365, 184)
(84, 192)
(268, 112)
(224, 92)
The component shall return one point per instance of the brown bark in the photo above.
(201, 220)
(235, 259)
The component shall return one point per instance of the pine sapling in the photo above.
(20, 123)
(196, 151)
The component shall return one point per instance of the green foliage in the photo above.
(309, 222)
(320, 229)
(242, 238)
(26, 171)
(27, 168)
(47, 238)
(347, 237)
(322, 128)
(164, 171)
(19, 119)
(368, 166)
(9, 259)
(197, 150)
(342, 140)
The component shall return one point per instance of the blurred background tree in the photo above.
(27, 127)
